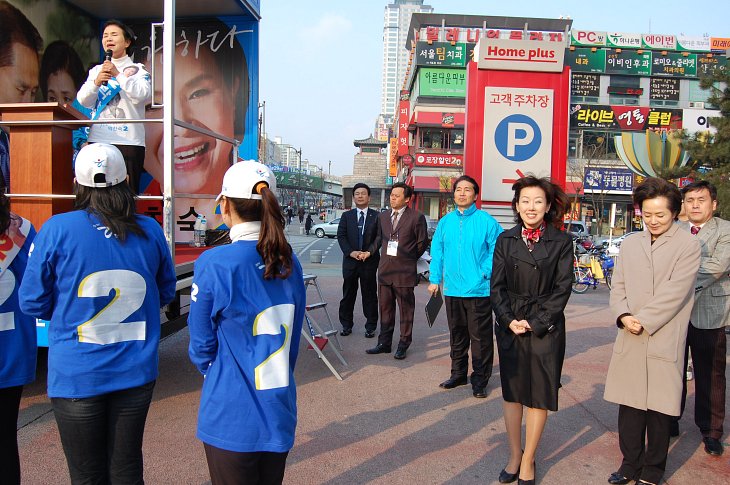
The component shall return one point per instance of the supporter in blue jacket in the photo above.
(461, 258)
(100, 275)
(246, 312)
(17, 335)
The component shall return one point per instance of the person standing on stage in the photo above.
(100, 274)
(246, 313)
(17, 335)
(112, 94)
(357, 235)
(461, 258)
(532, 275)
(706, 337)
(652, 292)
(403, 236)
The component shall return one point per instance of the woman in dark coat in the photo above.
(532, 274)
(308, 224)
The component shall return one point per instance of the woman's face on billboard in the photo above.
(202, 98)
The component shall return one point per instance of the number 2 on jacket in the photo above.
(274, 371)
(106, 326)
(7, 285)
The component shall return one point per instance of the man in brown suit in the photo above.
(706, 338)
(403, 238)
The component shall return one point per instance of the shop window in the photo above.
(441, 139)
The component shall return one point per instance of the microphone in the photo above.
(107, 57)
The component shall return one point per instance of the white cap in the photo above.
(241, 179)
(100, 165)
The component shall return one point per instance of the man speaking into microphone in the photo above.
(118, 89)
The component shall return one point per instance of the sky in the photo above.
(321, 60)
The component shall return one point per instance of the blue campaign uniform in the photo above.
(244, 338)
(17, 330)
(103, 300)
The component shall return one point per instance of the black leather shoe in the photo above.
(525, 482)
(379, 349)
(400, 354)
(480, 392)
(505, 477)
(712, 446)
(369, 334)
(453, 382)
(617, 479)
(345, 332)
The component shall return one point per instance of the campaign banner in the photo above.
(624, 118)
(518, 133)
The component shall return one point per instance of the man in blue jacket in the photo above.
(461, 258)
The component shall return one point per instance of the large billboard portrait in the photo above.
(216, 71)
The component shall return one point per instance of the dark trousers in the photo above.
(102, 435)
(388, 295)
(366, 277)
(643, 459)
(470, 324)
(134, 159)
(236, 468)
(708, 349)
(9, 458)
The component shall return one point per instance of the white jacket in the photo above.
(136, 92)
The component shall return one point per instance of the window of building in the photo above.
(624, 82)
(441, 139)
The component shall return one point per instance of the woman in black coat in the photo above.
(532, 274)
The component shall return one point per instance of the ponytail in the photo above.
(273, 246)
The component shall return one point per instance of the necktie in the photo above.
(394, 223)
(360, 227)
(694, 230)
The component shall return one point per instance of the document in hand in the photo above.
(433, 306)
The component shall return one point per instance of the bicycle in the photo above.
(583, 277)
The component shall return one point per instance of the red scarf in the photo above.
(532, 235)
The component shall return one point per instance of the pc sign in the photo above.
(518, 133)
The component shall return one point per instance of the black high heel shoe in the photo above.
(528, 482)
(505, 477)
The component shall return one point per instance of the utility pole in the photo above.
(329, 170)
(299, 176)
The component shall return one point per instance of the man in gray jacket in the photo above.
(706, 337)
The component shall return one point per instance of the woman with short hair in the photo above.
(652, 293)
(532, 273)
(100, 274)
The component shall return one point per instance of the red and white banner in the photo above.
(439, 160)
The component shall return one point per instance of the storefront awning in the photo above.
(442, 119)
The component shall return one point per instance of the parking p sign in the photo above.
(518, 124)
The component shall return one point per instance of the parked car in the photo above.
(577, 228)
(431, 227)
(328, 229)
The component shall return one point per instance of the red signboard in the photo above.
(479, 81)
(439, 160)
(405, 105)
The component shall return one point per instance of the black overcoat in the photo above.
(534, 286)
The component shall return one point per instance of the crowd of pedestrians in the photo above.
(101, 273)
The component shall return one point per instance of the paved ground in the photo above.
(388, 421)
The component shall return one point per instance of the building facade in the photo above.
(396, 20)
(369, 167)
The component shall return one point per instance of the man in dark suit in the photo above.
(357, 234)
(706, 337)
(403, 237)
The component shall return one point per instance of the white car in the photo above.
(328, 229)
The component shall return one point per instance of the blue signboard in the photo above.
(608, 180)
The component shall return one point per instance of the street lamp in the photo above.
(299, 176)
